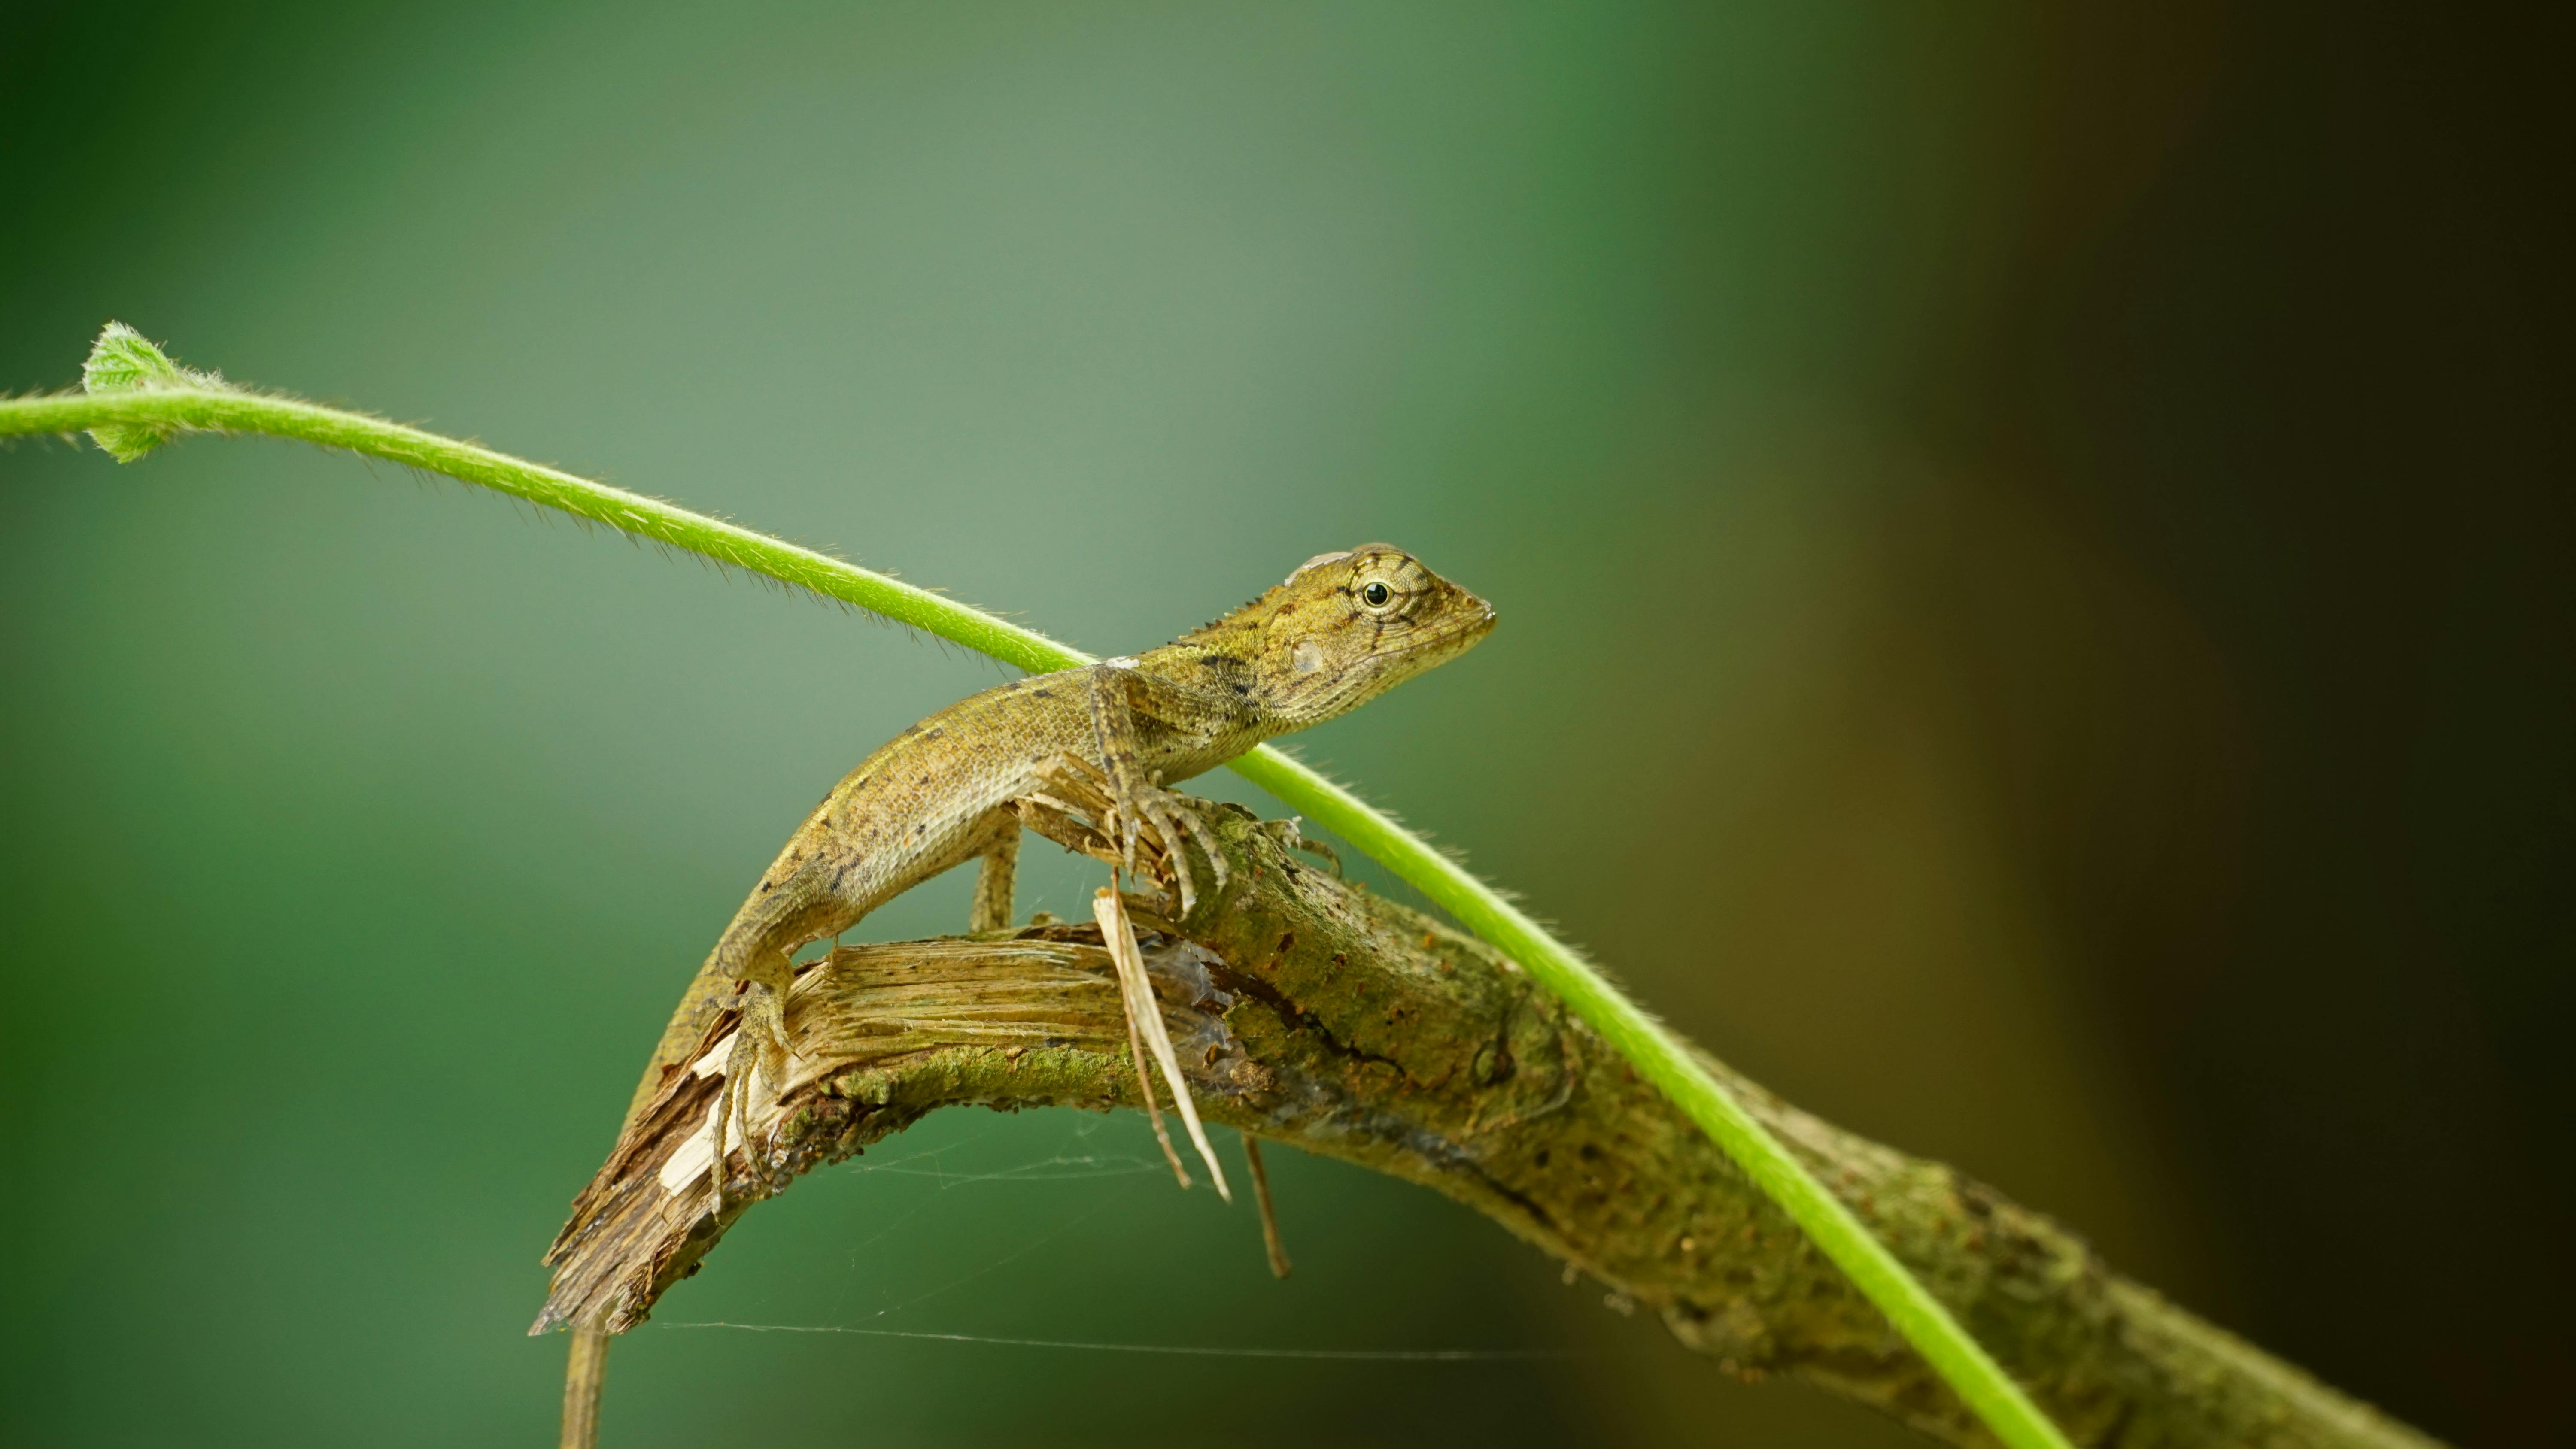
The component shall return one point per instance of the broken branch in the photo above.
(1309, 1012)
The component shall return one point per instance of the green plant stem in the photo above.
(245, 412)
(1909, 1306)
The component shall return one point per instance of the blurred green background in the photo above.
(2033, 555)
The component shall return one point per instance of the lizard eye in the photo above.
(1375, 594)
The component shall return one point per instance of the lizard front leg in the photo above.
(1137, 795)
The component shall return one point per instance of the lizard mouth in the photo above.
(1475, 623)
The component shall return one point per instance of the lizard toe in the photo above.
(1206, 837)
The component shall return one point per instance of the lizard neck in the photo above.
(1209, 711)
(1219, 669)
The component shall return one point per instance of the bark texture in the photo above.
(1309, 1012)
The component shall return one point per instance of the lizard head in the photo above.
(1346, 627)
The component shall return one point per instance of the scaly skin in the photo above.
(1344, 628)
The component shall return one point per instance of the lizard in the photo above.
(1342, 629)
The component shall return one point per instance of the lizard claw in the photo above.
(1206, 837)
(1290, 837)
(1175, 819)
(1131, 828)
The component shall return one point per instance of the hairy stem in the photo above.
(212, 411)
(170, 401)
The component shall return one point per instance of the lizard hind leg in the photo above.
(996, 874)
(756, 951)
(1138, 800)
(760, 1051)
